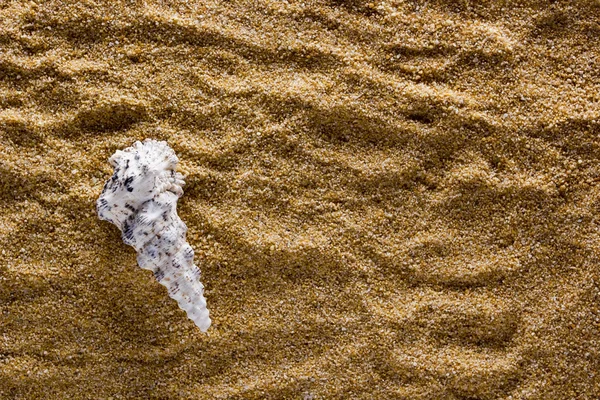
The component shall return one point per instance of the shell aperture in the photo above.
(141, 200)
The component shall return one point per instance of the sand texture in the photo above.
(387, 199)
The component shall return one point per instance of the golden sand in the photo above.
(387, 199)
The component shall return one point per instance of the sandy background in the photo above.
(387, 199)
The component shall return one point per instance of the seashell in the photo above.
(141, 200)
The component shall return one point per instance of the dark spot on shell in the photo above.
(189, 253)
(196, 273)
(128, 232)
(130, 189)
(151, 252)
(159, 274)
(174, 288)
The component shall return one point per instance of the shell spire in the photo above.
(141, 200)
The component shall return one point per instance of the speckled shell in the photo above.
(141, 200)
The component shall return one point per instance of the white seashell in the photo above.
(141, 200)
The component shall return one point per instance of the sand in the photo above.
(387, 199)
